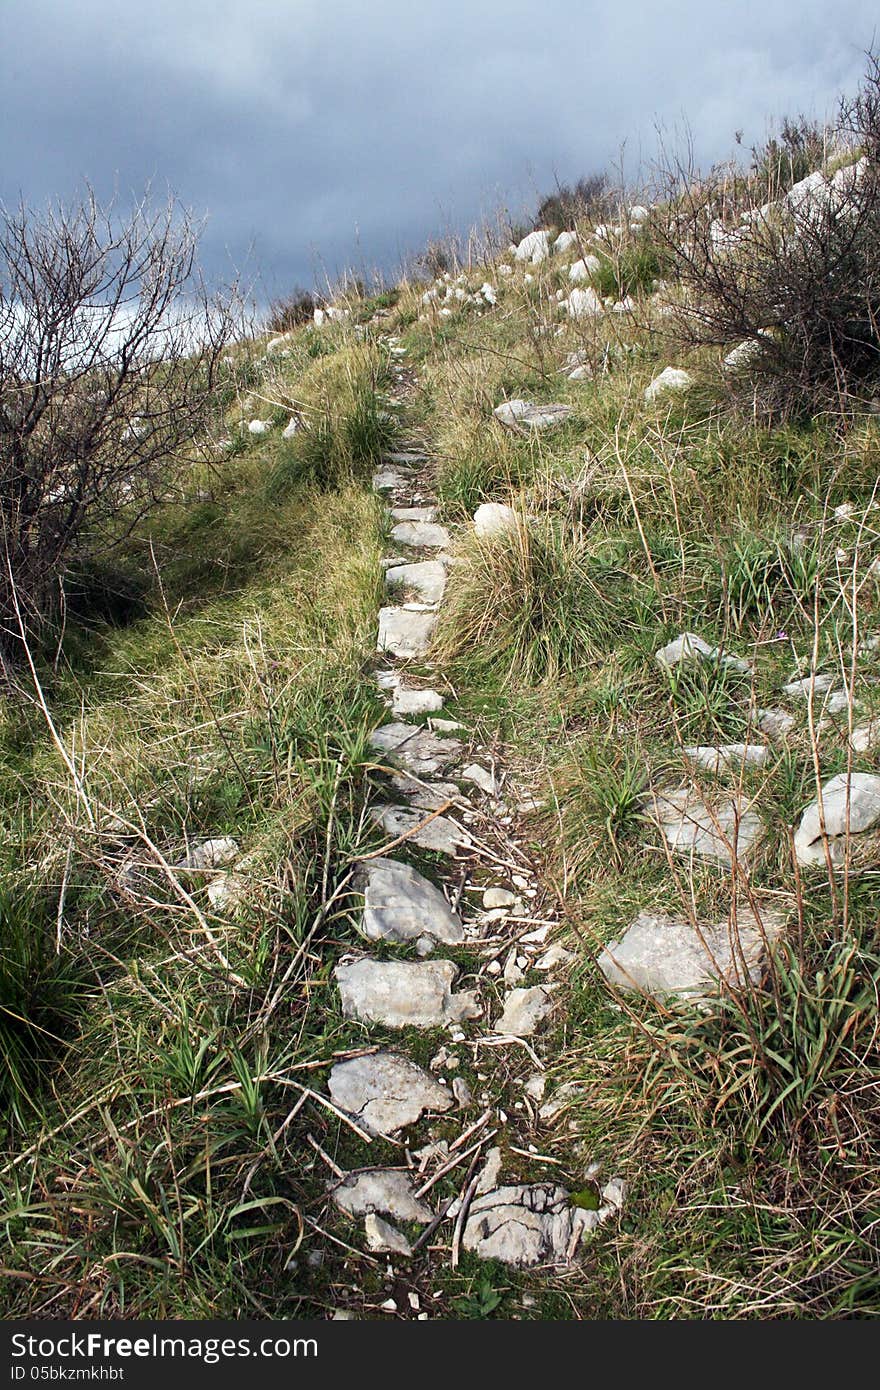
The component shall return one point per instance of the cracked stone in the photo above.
(414, 513)
(428, 797)
(416, 701)
(401, 905)
(386, 1190)
(526, 1225)
(689, 647)
(481, 778)
(404, 994)
(419, 750)
(662, 955)
(802, 685)
(385, 1092)
(499, 897)
(775, 722)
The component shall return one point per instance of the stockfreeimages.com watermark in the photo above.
(36, 1357)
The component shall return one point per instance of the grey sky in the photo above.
(332, 133)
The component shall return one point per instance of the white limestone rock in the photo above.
(564, 242)
(401, 905)
(440, 834)
(492, 519)
(385, 1239)
(672, 380)
(584, 304)
(533, 248)
(481, 778)
(689, 647)
(386, 1190)
(414, 748)
(775, 722)
(524, 1225)
(585, 267)
(427, 578)
(385, 1092)
(421, 535)
(210, 854)
(661, 955)
(405, 634)
(404, 994)
(406, 702)
(259, 426)
(691, 826)
(802, 687)
(523, 415)
(728, 756)
(524, 1010)
(861, 790)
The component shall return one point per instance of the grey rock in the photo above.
(210, 854)
(415, 749)
(386, 1190)
(481, 778)
(861, 790)
(524, 1010)
(775, 722)
(416, 701)
(440, 834)
(801, 686)
(524, 415)
(385, 1092)
(404, 994)
(414, 513)
(383, 1238)
(865, 735)
(670, 380)
(692, 826)
(422, 535)
(462, 1092)
(689, 647)
(427, 578)
(525, 1225)
(401, 905)
(662, 955)
(499, 897)
(492, 519)
(429, 796)
(405, 634)
(728, 756)
(389, 480)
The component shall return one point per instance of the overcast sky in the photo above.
(323, 133)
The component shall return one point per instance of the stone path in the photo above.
(438, 793)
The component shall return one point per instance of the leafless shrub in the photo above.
(110, 344)
(797, 279)
(293, 309)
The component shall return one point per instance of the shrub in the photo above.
(800, 283)
(109, 351)
(294, 309)
(802, 146)
(589, 197)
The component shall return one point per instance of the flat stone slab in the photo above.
(389, 480)
(427, 578)
(401, 994)
(852, 801)
(441, 834)
(383, 1238)
(526, 1225)
(775, 722)
(416, 701)
(428, 797)
(661, 955)
(385, 1092)
(415, 749)
(481, 778)
(404, 633)
(802, 686)
(414, 513)
(523, 414)
(386, 1190)
(422, 535)
(401, 905)
(692, 826)
(728, 756)
(524, 1010)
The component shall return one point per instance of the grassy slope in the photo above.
(239, 705)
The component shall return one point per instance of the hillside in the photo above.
(442, 880)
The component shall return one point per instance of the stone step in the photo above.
(427, 578)
(404, 994)
(405, 634)
(385, 1092)
(421, 535)
(440, 835)
(400, 904)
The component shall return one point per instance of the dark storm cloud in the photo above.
(338, 133)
